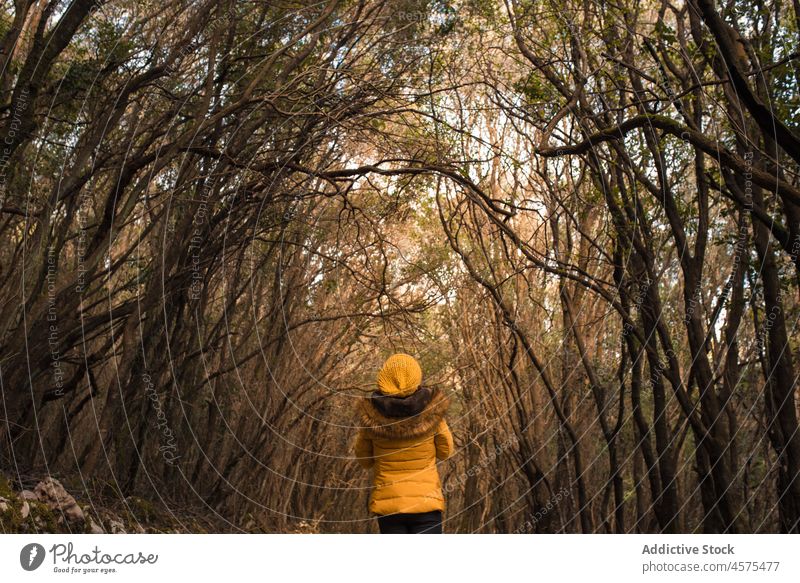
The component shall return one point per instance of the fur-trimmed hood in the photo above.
(403, 417)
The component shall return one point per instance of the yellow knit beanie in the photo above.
(400, 375)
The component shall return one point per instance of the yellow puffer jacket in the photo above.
(402, 438)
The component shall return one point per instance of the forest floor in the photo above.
(45, 505)
(68, 505)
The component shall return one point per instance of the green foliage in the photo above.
(540, 96)
(664, 33)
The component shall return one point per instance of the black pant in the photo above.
(422, 523)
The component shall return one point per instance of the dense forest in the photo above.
(583, 218)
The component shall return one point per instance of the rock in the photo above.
(53, 494)
(94, 527)
(28, 495)
(25, 510)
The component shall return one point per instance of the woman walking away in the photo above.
(403, 434)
